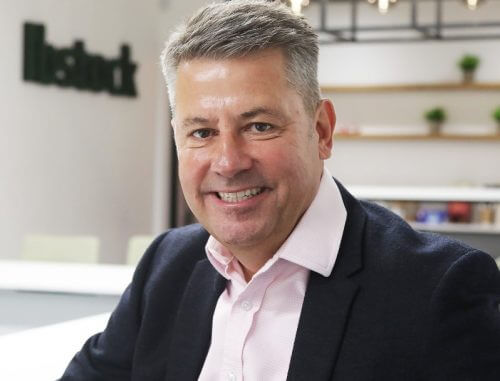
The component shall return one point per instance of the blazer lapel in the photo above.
(327, 304)
(192, 331)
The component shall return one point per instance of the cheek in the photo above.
(281, 163)
(191, 169)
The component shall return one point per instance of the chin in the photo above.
(240, 236)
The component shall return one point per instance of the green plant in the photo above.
(469, 62)
(496, 114)
(435, 115)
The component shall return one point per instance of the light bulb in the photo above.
(472, 4)
(383, 5)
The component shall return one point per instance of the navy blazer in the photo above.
(399, 305)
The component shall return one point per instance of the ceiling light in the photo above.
(472, 4)
(384, 5)
(297, 5)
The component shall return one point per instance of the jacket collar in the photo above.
(193, 327)
(327, 303)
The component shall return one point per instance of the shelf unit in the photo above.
(443, 86)
(435, 194)
(416, 87)
(430, 194)
(484, 236)
(422, 137)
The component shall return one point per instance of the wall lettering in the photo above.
(74, 67)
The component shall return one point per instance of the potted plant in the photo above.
(468, 64)
(436, 118)
(496, 117)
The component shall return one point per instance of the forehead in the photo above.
(268, 61)
(256, 77)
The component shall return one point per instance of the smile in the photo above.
(239, 196)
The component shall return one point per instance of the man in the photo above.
(288, 276)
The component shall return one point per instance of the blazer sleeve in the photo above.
(108, 355)
(464, 342)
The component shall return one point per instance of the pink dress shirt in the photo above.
(254, 323)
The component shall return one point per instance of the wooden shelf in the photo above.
(445, 86)
(485, 137)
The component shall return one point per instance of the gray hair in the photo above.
(239, 28)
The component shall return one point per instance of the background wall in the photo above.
(74, 162)
(411, 162)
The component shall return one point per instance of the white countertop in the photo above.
(101, 279)
(43, 353)
(421, 193)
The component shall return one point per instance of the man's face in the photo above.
(250, 157)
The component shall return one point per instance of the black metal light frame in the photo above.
(429, 31)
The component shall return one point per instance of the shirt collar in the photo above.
(315, 241)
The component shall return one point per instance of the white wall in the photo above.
(74, 162)
(412, 162)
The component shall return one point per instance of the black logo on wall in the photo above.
(74, 67)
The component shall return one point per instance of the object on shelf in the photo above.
(496, 215)
(403, 209)
(346, 128)
(435, 117)
(436, 213)
(459, 212)
(496, 117)
(484, 214)
(468, 64)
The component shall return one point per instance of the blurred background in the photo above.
(88, 167)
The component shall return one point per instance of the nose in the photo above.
(230, 157)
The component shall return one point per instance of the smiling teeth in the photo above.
(239, 196)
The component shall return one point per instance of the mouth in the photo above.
(234, 197)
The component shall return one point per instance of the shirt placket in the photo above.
(243, 312)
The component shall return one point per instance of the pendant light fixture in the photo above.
(472, 4)
(297, 5)
(384, 5)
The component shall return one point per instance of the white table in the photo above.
(100, 279)
(43, 353)
(34, 294)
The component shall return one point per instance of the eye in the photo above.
(202, 133)
(261, 127)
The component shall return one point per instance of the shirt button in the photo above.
(246, 305)
(231, 376)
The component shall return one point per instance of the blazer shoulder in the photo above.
(184, 244)
(392, 242)
(176, 251)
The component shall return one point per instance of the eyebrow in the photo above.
(260, 111)
(197, 120)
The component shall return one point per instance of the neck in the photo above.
(252, 259)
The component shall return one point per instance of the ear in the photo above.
(325, 125)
